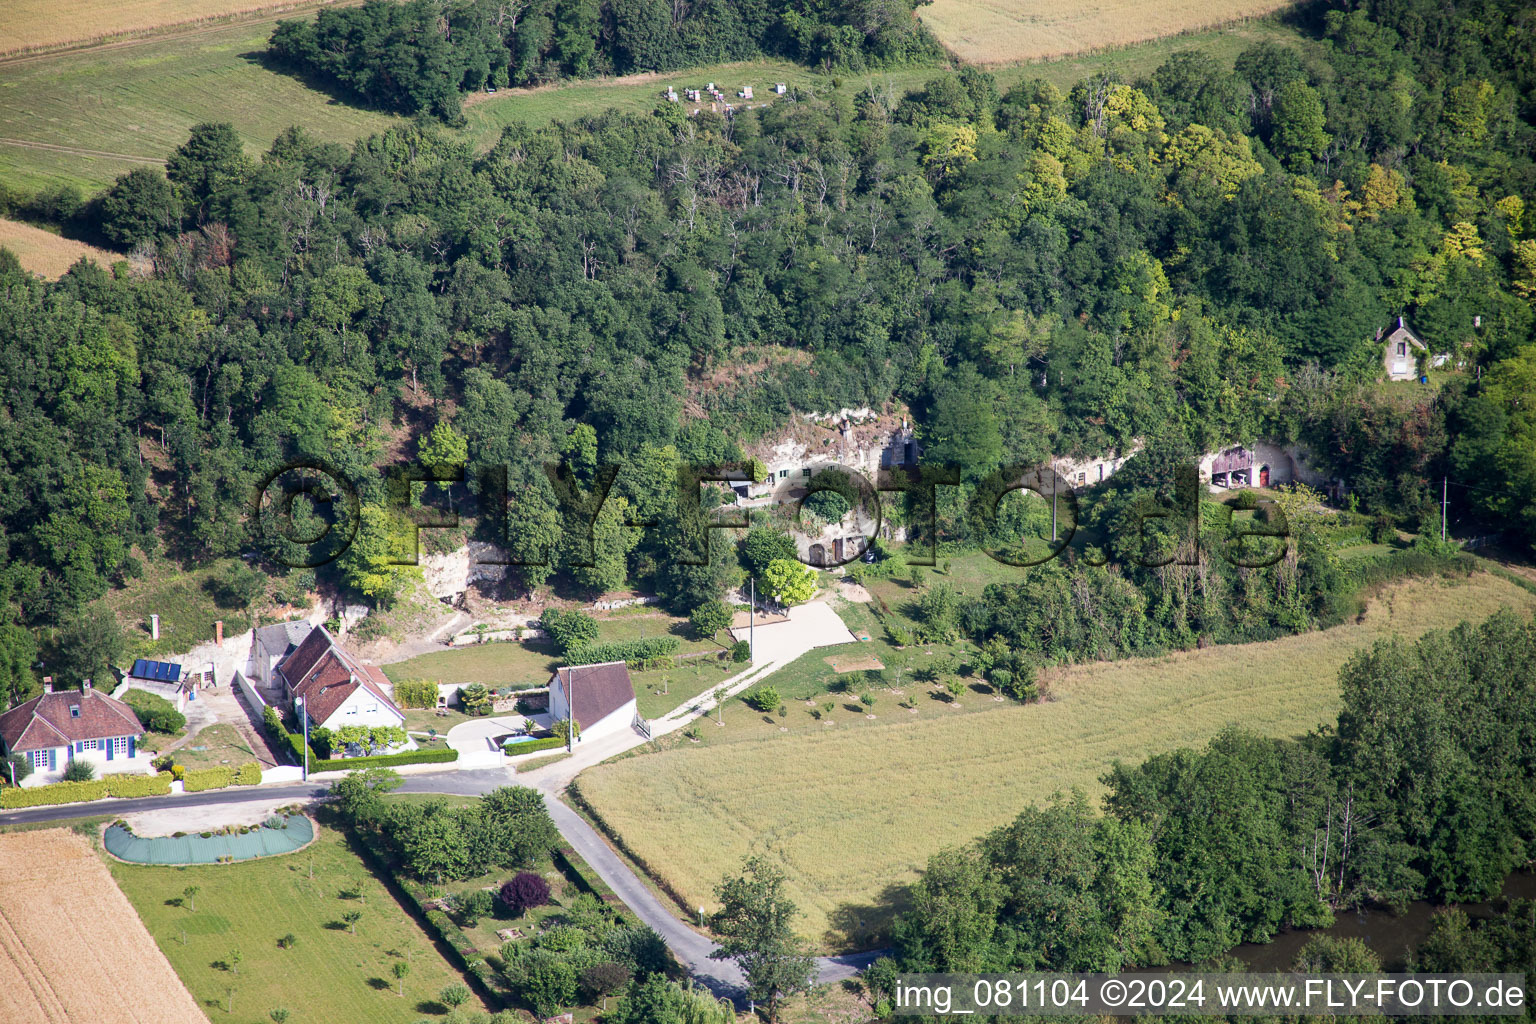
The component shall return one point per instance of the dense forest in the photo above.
(422, 54)
(1193, 259)
(1423, 790)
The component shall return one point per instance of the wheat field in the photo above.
(1006, 31)
(71, 947)
(28, 25)
(850, 813)
(45, 253)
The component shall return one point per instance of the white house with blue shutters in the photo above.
(56, 727)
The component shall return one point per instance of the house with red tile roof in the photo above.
(57, 727)
(600, 697)
(332, 688)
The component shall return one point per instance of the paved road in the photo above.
(809, 626)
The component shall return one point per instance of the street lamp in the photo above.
(298, 702)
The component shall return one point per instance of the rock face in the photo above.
(449, 575)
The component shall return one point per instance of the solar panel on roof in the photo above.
(160, 671)
(138, 667)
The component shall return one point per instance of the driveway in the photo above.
(478, 736)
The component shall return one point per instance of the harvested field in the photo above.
(1006, 31)
(78, 951)
(852, 814)
(47, 254)
(43, 25)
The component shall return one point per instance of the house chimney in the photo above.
(218, 633)
(154, 627)
(1477, 321)
(1400, 321)
(47, 684)
(85, 684)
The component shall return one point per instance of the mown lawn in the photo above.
(328, 974)
(852, 814)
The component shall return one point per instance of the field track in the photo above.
(72, 949)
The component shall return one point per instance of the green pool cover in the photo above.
(196, 849)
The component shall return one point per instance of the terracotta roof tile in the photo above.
(46, 721)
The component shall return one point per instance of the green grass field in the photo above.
(853, 813)
(179, 596)
(85, 116)
(328, 975)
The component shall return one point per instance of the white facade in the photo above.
(615, 721)
(117, 755)
(362, 707)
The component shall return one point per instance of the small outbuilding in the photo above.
(600, 697)
(1400, 352)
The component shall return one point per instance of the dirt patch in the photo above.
(854, 663)
(48, 930)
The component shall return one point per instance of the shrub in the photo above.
(321, 741)
(416, 693)
(476, 698)
(1383, 530)
(154, 712)
(523, 892)
(764, 698)
(274, 722)
(741, 652)
(79, 771)
(248, 774)
(566, 729)
(473, 905)
(569, 629)
(15, 766)
(631, 651)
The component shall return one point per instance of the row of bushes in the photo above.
(120, 786)
(635, 652)
(547, 743)
(449, 932)
(345, 764)
(220, 776)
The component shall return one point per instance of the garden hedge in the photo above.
(202, 779)
(547, 743)
(57, 793)
(248, 774)
(347, 764)
(623, 650)
(449, 932)
(125, 786)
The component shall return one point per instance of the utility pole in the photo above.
(570, 710)
(1444, 498)
(752, 620)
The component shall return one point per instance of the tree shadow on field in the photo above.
(379, 984)
(431, 1006)
(866, 927)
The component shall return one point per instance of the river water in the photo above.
(1392, 936)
